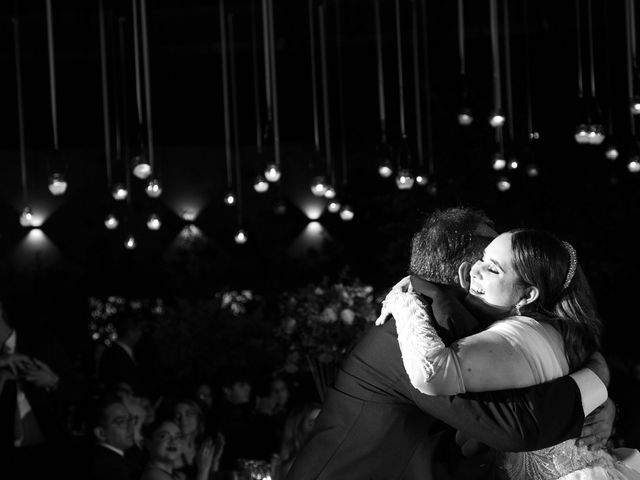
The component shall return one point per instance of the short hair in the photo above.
(447, 239)
(99, 411)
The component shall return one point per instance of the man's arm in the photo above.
(513, 420)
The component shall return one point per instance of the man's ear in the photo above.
(100, 434)
(464, 275)
(529, 295)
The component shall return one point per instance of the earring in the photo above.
(518, 309)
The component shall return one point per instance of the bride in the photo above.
(545, 326)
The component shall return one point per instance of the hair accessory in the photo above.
(573, 263)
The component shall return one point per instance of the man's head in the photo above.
(236, 387)
(447, 239)
(113, 423)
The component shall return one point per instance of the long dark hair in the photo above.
(542, 260)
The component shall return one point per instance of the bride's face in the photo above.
(495, 286)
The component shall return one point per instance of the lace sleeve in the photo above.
(503, 357)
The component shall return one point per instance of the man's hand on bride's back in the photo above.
(598, 426)
(598, 365)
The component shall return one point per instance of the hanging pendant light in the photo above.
(260, 184)
(111, 222)
(612, 152)
(153, 188)
(130, 242)
(240, 237)
(318, 186)
(497, 118)
(272, 172)
(229, 199)
(119, 192)
(503, 184)
(499, 162)
(330, 192)
(465, 117)
(385, 162)
(26, 217)
(141, 167)
(404, 179)
(532, 170)
(153, 222)
(385, 153)
(57, 184)
(346, 213)
(333, 206)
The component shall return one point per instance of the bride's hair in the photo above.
(542, 260)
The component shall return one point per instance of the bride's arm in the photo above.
(486, 361)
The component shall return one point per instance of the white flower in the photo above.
(328, 315)
(318, 291)
(347, 316)
(289, 325)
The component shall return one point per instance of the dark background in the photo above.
(579, 194)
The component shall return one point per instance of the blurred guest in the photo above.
(118, 367)
(36, 394)
(162, 440)
(190, 419)
(114, 436)
(235, 418)
(297, 426)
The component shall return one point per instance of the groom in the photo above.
(375, 425)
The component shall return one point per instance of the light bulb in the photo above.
(422, 179)
(612, 152)
(497, 119)
(635, 106)
(330, 192)
(229, 198)
(333, 206)
(346, 213)
(534, 135)
(582, 134)
(154, 188)
(634, 165)
(260, 185)
(318, 186)
(153, 222)
(465, 118)
(141, 167)
(130, 242)
(111, 222)
(498, 162)
(57, 184)
(385, 168)
(119, 192)
(513, 163)
(26, 217)
(596, 134)
(404, 179)
(503, 184)
(532, 170)
(272, 173)
(240, 237)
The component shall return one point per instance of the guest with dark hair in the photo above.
(297, 427)
(112, 428)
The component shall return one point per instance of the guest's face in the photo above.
(280, 392)
(239, 393)
(495, 286)
(204, 394)
(118, 427)
(163, 444)
(186, 418)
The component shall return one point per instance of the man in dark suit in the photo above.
(36, 392)
(375, 425)
(118, 368)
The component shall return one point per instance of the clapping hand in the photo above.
(204, 458)
(598, 426)
(40, 374)
(15, 362)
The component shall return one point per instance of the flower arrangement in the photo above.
(325, 320)
(104, 313)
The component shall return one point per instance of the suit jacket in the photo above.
(109, 465)
(375, 425)
(117, 366)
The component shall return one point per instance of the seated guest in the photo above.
(114, 436)
(162, 442)
(297, 426)
(190, 419)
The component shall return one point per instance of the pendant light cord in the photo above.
(23, 155)
(105, 92)
(225, 92)
(325, 86)
(380, 70)
(314, 85)
(147, 84)
(52, 76)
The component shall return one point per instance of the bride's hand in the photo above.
(598, 426)
(403, 285)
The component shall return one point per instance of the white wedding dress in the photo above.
(511, 353)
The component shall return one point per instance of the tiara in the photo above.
(573, 263)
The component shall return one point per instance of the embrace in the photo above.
(494, 335)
